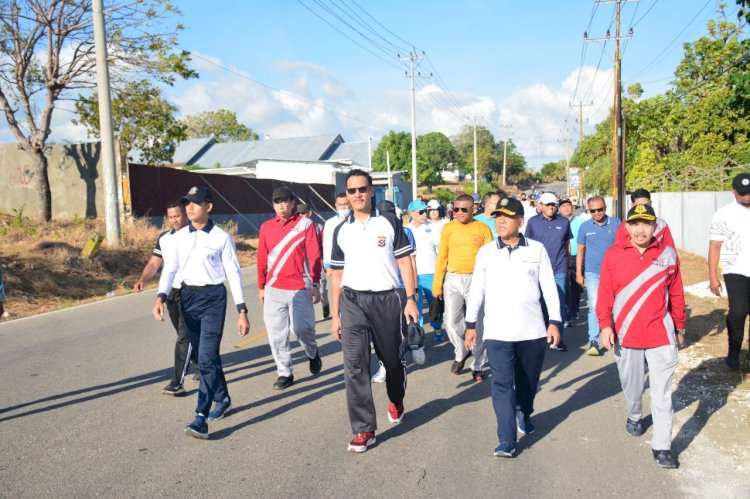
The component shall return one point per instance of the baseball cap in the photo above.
(416, 205)
(564, 200)
(476, 197)
(641, 212)
(197, 195)
(548, 198)
(508, 206)
(283, 193)
(433, 204)
(741, 184)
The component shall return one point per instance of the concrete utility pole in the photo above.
(105, 127)
(369, 153)
(581, 168)
(618, 166)
(412, 58)
(476, 175)
(505, 149)
(389, 195)
(538, 139)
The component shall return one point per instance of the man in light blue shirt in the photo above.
(489, 202)
(594, 239)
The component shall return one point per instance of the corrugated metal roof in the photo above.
(356, 152)
(190, 148)
(238, 153)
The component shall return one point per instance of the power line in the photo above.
(580, 62)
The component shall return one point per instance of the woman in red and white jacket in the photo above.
(641, 312)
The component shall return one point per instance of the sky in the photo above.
(292, 68)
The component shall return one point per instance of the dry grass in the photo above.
(44, 270)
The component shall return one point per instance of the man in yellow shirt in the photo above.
(459, 243)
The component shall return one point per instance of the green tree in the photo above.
(221, 125)
(488, 160)
(398, 144)
(47, 48)
(435, 154)
(141, 119)
(555, 170)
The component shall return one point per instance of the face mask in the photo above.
(343, 213)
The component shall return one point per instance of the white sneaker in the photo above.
(380, 375)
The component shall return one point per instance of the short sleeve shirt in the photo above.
(553, 234)
(597, 239)
(367, 252)
(164, 246)
(731, 226)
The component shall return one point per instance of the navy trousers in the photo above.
(516, 367)
(203, 309)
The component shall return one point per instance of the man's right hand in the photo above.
(336, 326)
(138, 286)
(262, 295)
(581, 280)
(437, 296)
(714, 285)
(607, 338)
(158, 310)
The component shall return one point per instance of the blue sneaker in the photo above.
(524, 423)
(505, 449)
(439, 335)
(220, 409)
(198, 428)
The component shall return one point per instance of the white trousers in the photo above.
(455, 294)
(289, 311)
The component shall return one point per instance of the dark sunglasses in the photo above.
(361, 190)
(596, 210)
(462, 210)
(421, 212)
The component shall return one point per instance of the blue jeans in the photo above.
(592, 289)
(424, 290)
(516, 367)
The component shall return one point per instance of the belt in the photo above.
(199, 288)
(368, 292)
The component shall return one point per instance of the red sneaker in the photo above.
(477, 375)
(395, 412)
(362, 441)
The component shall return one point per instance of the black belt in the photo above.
(346, 288)
(199, 288)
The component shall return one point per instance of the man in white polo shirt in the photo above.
(204, 256)
(369, 249)
(730, 243)
(426, 238)
(511, 274)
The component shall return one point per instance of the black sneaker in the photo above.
(634, 428)
(326, 311)
(458, 366)
(173, 389)
(561, 347)
(283, 382)
(665, 459)
(733, 362)
(316, 364)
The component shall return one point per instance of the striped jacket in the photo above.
(289, 253)
(640, 295)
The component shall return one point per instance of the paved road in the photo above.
(82, 415)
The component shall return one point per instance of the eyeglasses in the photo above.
(421, 212)
(361, 190)
(596, 210)
(460, 210)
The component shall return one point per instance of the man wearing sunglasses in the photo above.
(595, 237)
(489, 203)
(459, 243)
(553, 231)
(369, 250)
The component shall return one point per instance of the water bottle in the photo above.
(418, 355)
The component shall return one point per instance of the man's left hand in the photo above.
(410, 311)
(315, 295)
(553, 336)
(243, 325)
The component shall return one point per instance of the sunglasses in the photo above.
(361, 190)
(461, 210)
(596, 210)
(421, 212)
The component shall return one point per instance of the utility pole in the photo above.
(476, 179)
(412, 58)
(505, 150)
(538, 139)
(618, 166)
(111, 209)
(389, 196)
(581, 168)
(369, 153)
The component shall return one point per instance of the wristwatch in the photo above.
(412, 297)
(315, 285)
(681, 332)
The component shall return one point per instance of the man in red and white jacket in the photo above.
(289, 252)
(641, 312)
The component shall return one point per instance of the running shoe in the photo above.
(362, 441)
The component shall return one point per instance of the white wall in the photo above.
(303, 173)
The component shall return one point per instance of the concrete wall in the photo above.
(75, 177)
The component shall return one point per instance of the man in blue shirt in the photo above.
(594, 239)
(574, 290)
(489, 202)
(553, 231)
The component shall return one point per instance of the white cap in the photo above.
(433, 204)
(548, 198)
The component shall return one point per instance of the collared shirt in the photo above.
(328, 229)
(511, 281)
(575, 225)
(553, 234)
(488, 221)
(367, 251)
(597, 239)
(163, 244)
(202, 257)
(427, 239)
(288, 252)
(731, 226)
(640, 295)
(458, 248)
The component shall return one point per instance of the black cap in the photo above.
(508, 206)
(386, 206)
(741, 184)
(563, 201)
(641, 212)
(197, 195)
(282, 193)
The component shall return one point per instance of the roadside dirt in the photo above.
(44, 270)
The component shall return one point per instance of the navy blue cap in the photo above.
(197, 195)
